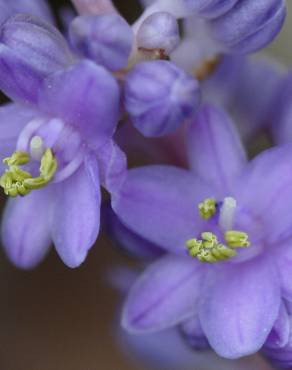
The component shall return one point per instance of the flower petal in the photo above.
(160, 204)
(166, 294)
(86, 96)
(240, 307)
(25, 228)
(129, 241)
(75, 222)
(215, 151)
(264, 194)
(112, 163)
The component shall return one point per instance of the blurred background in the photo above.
(54, 318)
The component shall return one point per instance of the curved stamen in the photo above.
(70, 168)
(26, 134)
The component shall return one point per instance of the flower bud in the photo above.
(159, 97)
(106, 39)
(29, 51)
(159, 31)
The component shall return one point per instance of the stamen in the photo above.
(15, 181)
(227, 212)
(208, 249)
(207, 208)
(236, 239)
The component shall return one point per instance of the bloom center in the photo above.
(208, 248)
(16, 181)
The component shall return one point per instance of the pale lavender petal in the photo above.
(26, 228)
(75, 220)
(160, 204)
(239, 307)
(85, 96)
(166, 294)
(216, 153)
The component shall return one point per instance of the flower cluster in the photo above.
(162, 118)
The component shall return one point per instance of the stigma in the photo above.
(16, 181)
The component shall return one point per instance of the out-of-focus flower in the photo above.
(240, 230)
(159, 97)
(246, 87)
(60, 146)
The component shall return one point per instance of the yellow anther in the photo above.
(208, 249)
(18, 158)
(207, 208)
(15, 181)
(236, 239)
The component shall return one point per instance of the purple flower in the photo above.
(159, 97)
(58, 146)
(226, 225)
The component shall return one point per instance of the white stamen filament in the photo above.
(37, 148)
(70, 168)
(227, 213)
